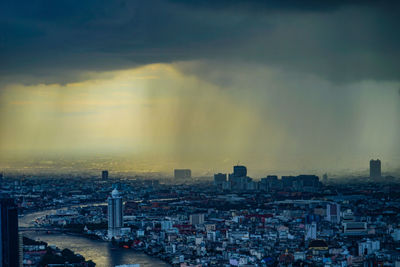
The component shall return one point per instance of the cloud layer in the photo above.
(56, 41)
(277, 85)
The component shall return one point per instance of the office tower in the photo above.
(325, 178)
(196, 219)
(311, 231)
(239, 171)
(104, 175)
(180, 174)
(166, 225)
(375, 168)
(333, 212)
(238, 179)
(272, 182)
(9, 245)
(115, 219)
(288, 182)
(263, 185)
(308, 182)
(219, 179)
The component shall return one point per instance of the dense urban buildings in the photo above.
(9, 243)
(375, 168)
(273, 221)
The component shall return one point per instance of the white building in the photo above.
(368, 247)
(115, 214)
(311, 231)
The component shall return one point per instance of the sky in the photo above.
(279, 86)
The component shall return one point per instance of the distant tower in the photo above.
(219, 179)
(182, 174)
(115, 219)
(325, 178)
(239, 171)
(9, 243)
(104, 175)
(333, 212)
(375, 168)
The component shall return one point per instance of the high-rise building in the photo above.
(104, 175)
(311, 231)
(196, 219)
(333, 212)
(325, 178)
(115, 216)
(219, 179)
(308, 182)
(288, 182)
(239, 171)
(375, 168)
(182, 174)
(9, 245)
(238, 179)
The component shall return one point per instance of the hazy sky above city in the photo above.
(275, 85)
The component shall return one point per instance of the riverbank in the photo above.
(100, 252)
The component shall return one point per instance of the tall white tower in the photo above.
(311, 231)
(115, 219)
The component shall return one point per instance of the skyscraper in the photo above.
(311, 231)
(196, 219)
(9, 245)
(219, 179)
(182, 174)
(104, 175)
(375, 168)
(115, 219)
(325, 179)
(239, 171)
(238, 178)
(333, 212)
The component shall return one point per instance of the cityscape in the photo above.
(199, 133)
(230, 220)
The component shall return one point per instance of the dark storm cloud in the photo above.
(57, 41)
(275, 5)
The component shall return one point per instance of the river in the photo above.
(99, 252)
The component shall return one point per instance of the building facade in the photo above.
(9, 245)
(115, 214)
(219, 179)
(181, 174)
(333, 212)
(375, 168)
(196, 219)
(104, 175)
